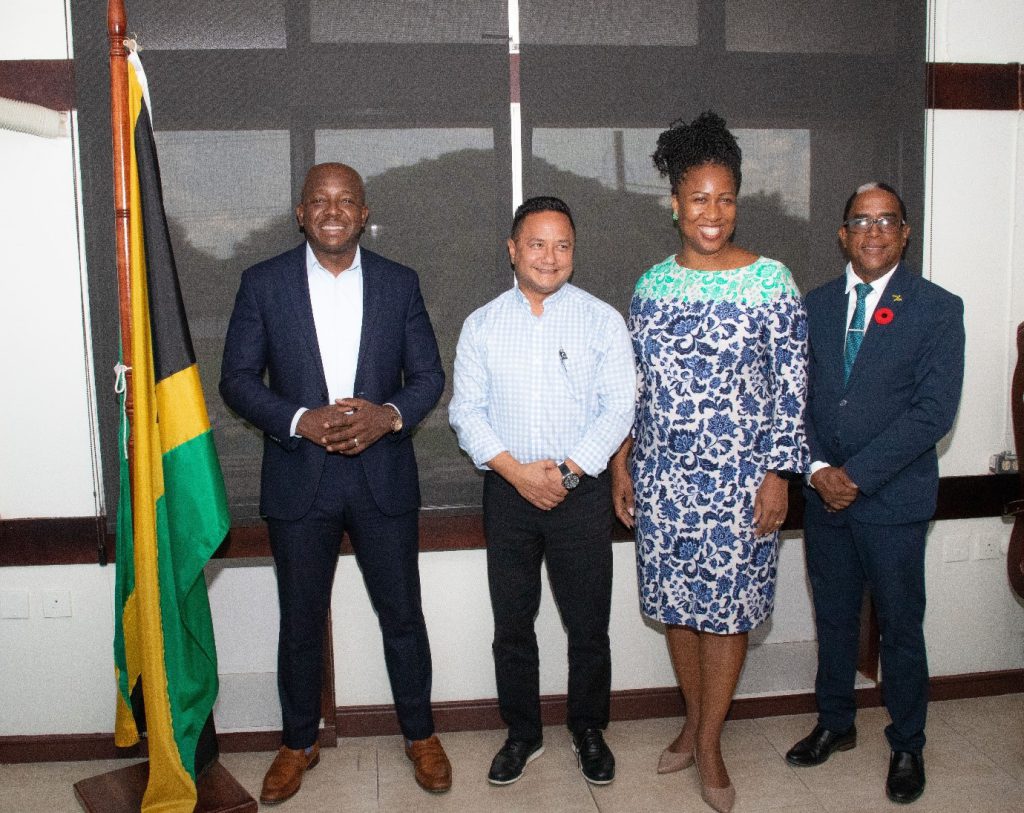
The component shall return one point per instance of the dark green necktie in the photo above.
(855, 333)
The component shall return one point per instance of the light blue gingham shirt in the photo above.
(558, 386)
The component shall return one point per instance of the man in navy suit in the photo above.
(886, 370)
(351, 366)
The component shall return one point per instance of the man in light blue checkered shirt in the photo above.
(544, 394)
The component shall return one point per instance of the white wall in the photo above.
(56, 675)
(974, 246)
(976, 31)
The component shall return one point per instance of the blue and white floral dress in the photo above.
(722, 370)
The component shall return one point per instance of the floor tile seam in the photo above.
(376, 773)
(980, 748)
(975, 733)
(764, 735)
(820, 799)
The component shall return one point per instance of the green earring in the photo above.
(675, 217)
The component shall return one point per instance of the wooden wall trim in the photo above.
(665, 701)
(975, 86)
(48, 82)
(55, 541)
(950, 86)
(482, 715)
(76, 540)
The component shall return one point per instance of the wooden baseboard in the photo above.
(476, 715)
(84, 540)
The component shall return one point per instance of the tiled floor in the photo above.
(974, 760)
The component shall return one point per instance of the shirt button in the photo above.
(843, 402)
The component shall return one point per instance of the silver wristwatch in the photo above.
(570, 479)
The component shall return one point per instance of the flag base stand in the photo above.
(121, 791)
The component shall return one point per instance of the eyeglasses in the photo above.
(887, 223)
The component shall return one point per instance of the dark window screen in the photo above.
(415, 95)
(822, 97)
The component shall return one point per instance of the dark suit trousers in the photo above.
(842, 555)
(306, 555)
(575, 539)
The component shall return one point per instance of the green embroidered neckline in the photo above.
(764, 280)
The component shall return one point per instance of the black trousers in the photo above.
(575, 539)
(842, 556)
(306, 556)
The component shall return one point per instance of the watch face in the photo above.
(570, 480)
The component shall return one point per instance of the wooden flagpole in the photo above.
(121, 790)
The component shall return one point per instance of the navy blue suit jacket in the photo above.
(901, 398)
(272, 331)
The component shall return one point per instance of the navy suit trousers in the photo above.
(306, 556)
(843, 555)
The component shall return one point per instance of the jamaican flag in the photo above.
(172, 513)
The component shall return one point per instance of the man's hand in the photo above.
(347, 426)
(770, 504)
(835, 487)
(539, 483)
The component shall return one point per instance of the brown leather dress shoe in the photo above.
(433, 770)
(284, 777)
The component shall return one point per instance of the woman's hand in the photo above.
(622, 484)
(770, 504)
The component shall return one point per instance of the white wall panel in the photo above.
(969, 236)
(57, 674)
(45, 463)
(978, 31)
(972, 623)
(34, 29)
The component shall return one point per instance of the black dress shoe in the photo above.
(905, 782)
(819, 745)
(597, 764)
(510, 762)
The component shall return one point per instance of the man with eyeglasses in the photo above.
(886, 369)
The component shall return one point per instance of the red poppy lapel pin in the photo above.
(883, 316)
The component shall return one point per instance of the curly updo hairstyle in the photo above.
(705, 140)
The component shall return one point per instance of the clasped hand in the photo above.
(347, 426)
(540, 483)
(835, 487)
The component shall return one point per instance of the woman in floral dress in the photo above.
(719, 335)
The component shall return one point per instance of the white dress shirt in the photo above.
(870, 301)
(338, 314)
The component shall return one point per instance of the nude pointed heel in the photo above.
(672, 761)
(720, 799)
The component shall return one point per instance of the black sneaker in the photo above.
(510, 762)
(597, 764)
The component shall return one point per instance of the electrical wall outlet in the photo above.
(56, 604)
(14, 604)
(1003, 463)
(985, 546)
(957, 549)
